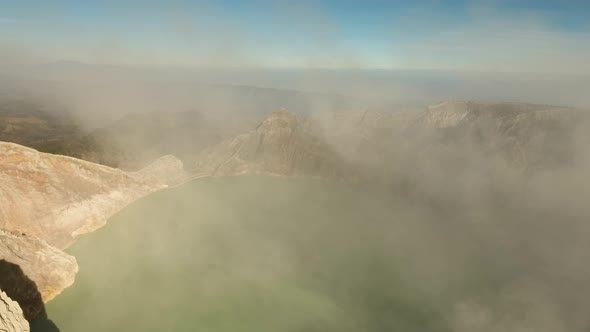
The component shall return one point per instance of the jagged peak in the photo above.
(279, 119)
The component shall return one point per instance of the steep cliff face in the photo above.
(46, 202)
(51, 269)
(58, 198)
(280, 145)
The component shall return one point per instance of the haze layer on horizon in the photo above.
(546, 36)
(119, 57)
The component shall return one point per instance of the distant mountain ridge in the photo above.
(334, 143)
(526, 134)
(47, 201)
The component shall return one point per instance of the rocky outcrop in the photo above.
(11, 315)
(46, 202)
(280, 145)
(51, 269)
(58, 198)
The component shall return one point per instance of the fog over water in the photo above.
(433, 161)
(453, 239)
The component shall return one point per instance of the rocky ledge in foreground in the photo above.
(58, 198)
(46, 202)
(49, 268)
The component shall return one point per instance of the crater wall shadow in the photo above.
(15, 283)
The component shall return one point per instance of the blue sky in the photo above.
(499, 35)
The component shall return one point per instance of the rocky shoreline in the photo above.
(48, 201)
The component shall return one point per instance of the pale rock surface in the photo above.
(11, 316)
(47, 201)
(58, 198)
(51, 269)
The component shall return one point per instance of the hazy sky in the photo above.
(502, 35)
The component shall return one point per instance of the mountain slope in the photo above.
(346, 144)
(526, 135)
(280, 145)
(43, 126)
